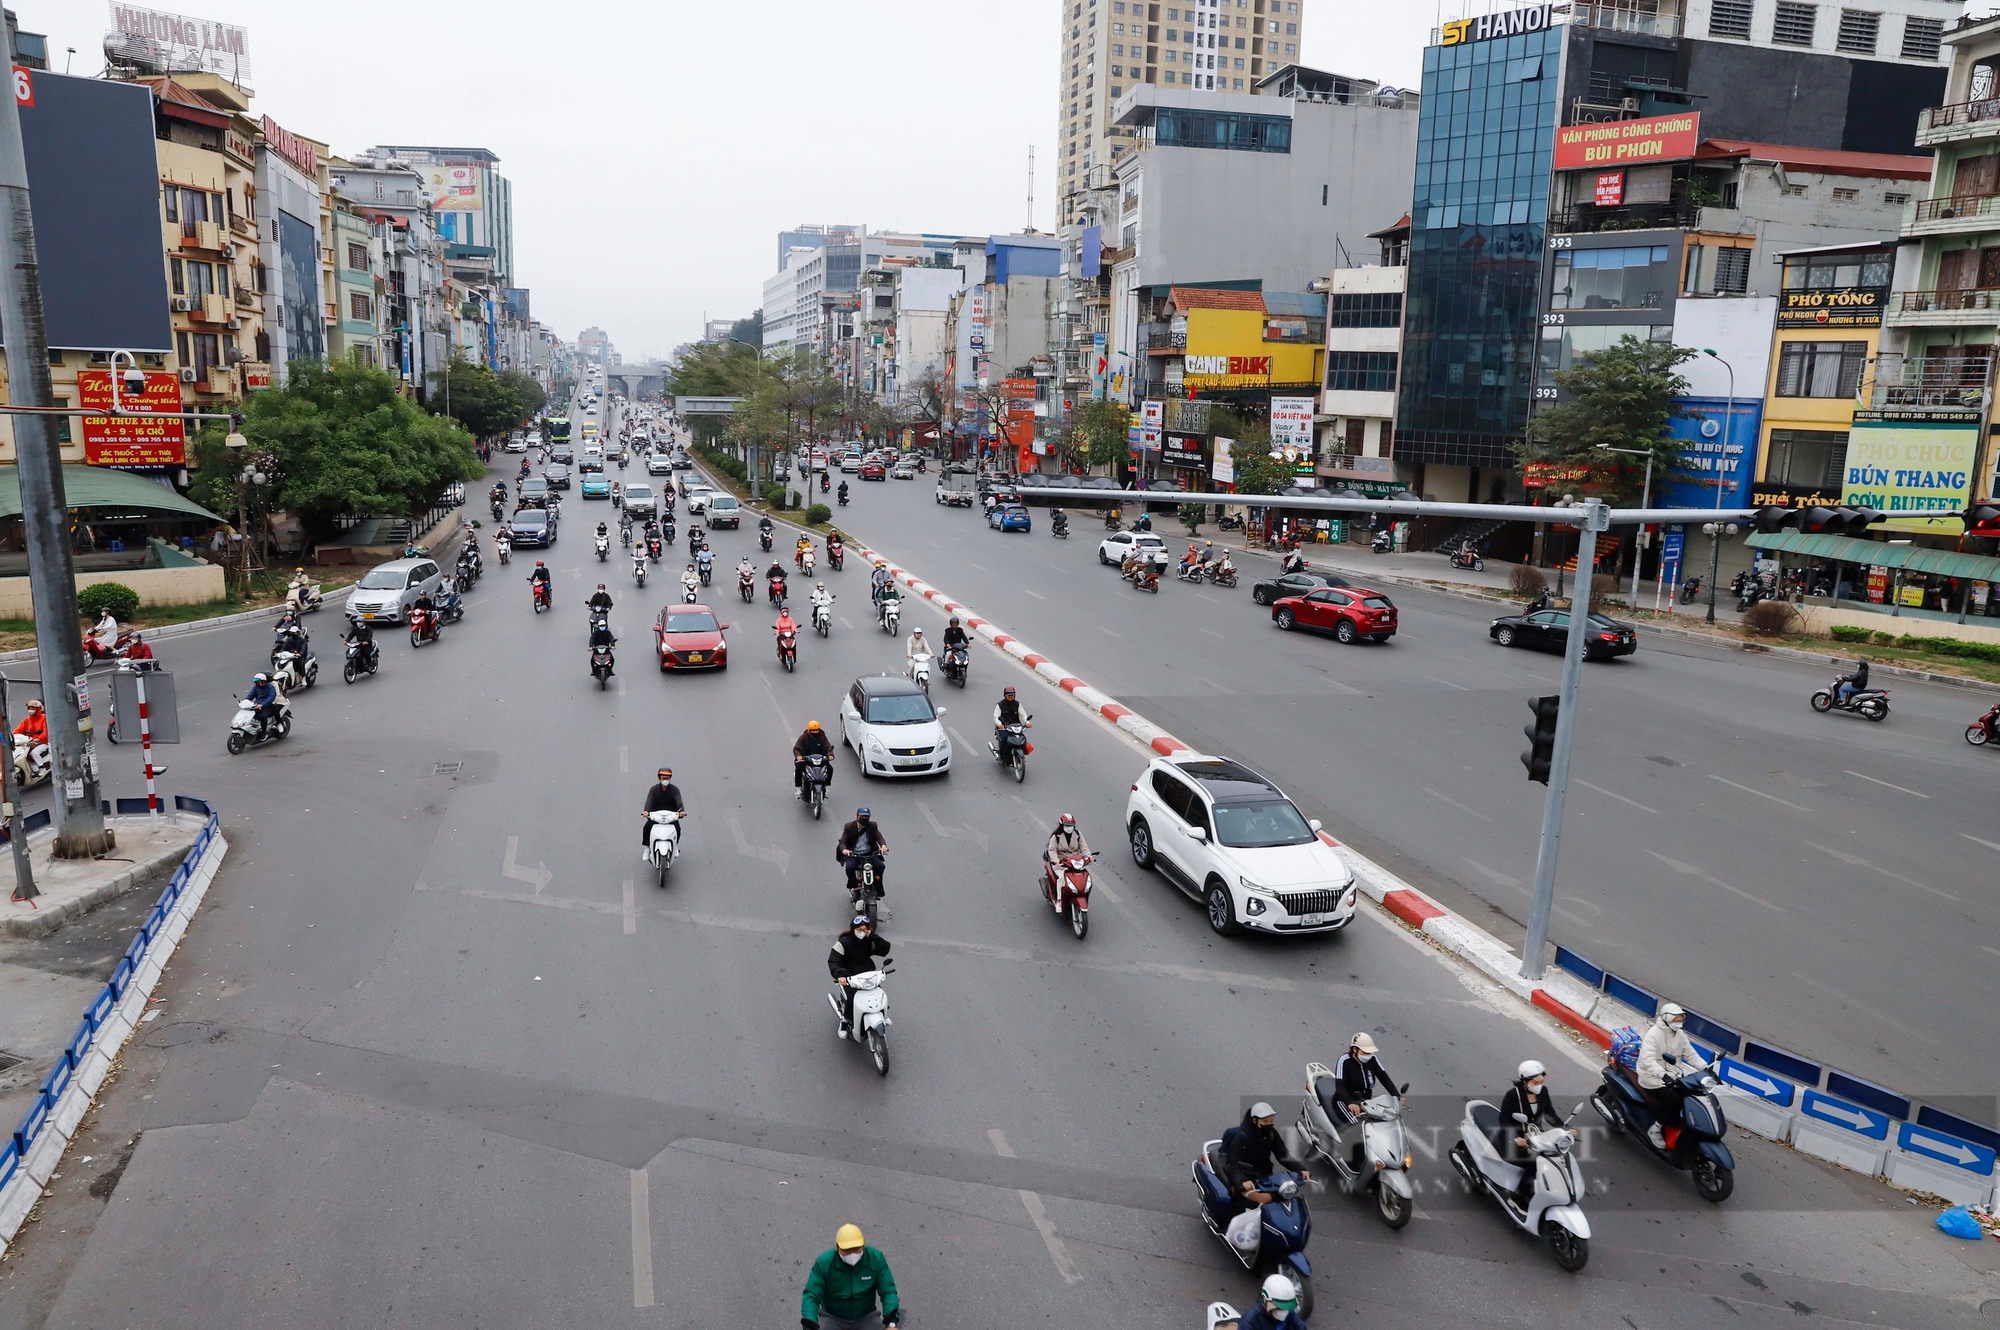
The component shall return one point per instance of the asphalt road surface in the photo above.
(437, 1053)
(1821, 881)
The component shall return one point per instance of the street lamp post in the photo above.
(1715, 529)
(1645, 501)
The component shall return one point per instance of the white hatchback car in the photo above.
(893, 729)
(1120, 543)
(1231, 840)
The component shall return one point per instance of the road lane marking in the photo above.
(621, 685)
(631, 908)
(1836, 993)
(1448, 683)
(1039, 1214)
(1615, 795)
(1217, 636)
(642, 1240)
(1904, 788)
(1036, 595)
(1107, 632)
(1693, 871)
(1456, 804)
(1212, 684)
(539, 878)
(1859, 862)
(1495, 874)
(624, 759)
(1759, 793)
(1203, 595)
(770, 854)
(844, 622)
(952, 833)
(1975, 840)
(550, 902)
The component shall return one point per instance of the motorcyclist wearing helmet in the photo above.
(1066, 841)
(814, 740)
(846, 1282)
(862, 840)
(879, 580)
(1665, 1055)
(35, 724)
(821, 598)
(843, 491)
(917, 648)
(854, 952)
(955, 636)
(691, 582)
(764, 524)
(663, 797)
(361, 635)
(1847, 685)
(600, 602)
(603, 531)
(1277, 1307)
(1359, 1077)
(1530, 1097)
(1255, 1151)
(264, 695)
(540, 577)
(1007, 712)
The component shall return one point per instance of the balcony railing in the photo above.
(1930, 302)
(1959, 113)
(1164, 340)
(1926, 383)
(1963, 206)
(1630, 217)
(1658, 20)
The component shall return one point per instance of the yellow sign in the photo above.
(1906, 470)
(1226, 349)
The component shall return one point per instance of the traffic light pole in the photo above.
(1541, 904)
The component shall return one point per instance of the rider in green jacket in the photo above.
(845, 1283)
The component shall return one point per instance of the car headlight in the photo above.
(1255, 905)
(1250, 886)
(875, 744)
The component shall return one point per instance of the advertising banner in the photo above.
(1627, 142)
(117, 442)
(1846, 307)
(1708, 456)
(1223, 468)
(1610, 189)
(1188, 450)
(455, 187)
(1911, 469)
(1292, 424)
(175, 41)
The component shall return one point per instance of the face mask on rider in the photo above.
(851, 1257)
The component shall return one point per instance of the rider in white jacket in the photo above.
(917, 647)
(1665, 1055)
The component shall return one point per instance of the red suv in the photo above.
(874, 471)
(1350, 613)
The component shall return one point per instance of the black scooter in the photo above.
(1059, 524)
(1694, 1147)
(1690, 589)
(1870, 702)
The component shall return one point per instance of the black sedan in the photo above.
(532, 526)
(1293, 584)
(1548, 630)
(557, 475)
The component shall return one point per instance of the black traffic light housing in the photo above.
(1981, 519)
(1772, 519)
(1542, 734)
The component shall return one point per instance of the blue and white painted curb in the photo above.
(33, 1152)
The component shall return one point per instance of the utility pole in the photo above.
(80, 830)
(1596, 518)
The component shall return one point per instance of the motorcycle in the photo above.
(504, 547)
(843, 496)
(1010, 747)
(835, 556)
(890, 612)
(1066, 889)
(95, 649)
(1689, 590)
(1059, 524)
(543, 596)
(813, 783)
(425, 627)
(1145, 577)
(625, 532)
(1693, 1147)
(1223, 574)
(957, 664)
(788, 648)
(864, 885)
(1228, 523)
(1870, 702)
(293, 670)
(1986, 729)
(823, 617)
(705, 568)
(1190, 572)
(1111, 521)
(776, 592)
(499, 510)
(1284, 1223)
(764, 541)
(32, 762)
(1467, 557)
(1380, 1159)
(807, 562)
(600, 666)
(1383, 542)
(450, 608)
(639, 571)
(690, 592)
(653, 548)
(871, 1014)
(246, 731)
(362, 658)
(920, 672)
(825, 482)
(1553, 1211)
(663, 842)
(603, 548)
(304, 597)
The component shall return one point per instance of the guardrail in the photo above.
(31, 1153)
(1823, 1111)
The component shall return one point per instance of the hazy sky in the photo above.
(656, 149)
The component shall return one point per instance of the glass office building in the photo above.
(1477, 226)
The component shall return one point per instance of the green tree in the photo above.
(336, 439)
(749, 330)
(526, 387)
(1621, 397)
(1103, 431)
(476, 397)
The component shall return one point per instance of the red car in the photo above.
(874, 471)
(1350, 613)
(690, 638)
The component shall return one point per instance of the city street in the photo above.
(437, 1052)
(1816, 880)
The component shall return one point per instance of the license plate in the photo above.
(694, 657)
(1314, 919)
(369, 615)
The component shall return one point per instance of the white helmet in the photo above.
(1672, 1011)
(1530, 1069)
(1280, 1289)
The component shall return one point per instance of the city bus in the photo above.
(558, 429)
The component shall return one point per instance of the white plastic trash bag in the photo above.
(1246, 1231)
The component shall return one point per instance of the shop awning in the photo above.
(1848, 549)
(101, 487)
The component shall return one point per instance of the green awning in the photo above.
(1848, 549)
(101, 487)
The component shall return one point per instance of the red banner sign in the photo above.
(119, 442)
(1628, 142)
(1610, 189)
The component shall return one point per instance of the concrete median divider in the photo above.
(35, 1149)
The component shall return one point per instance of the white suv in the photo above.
(1114, 547)
(1232, 841)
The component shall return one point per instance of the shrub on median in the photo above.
(122, 601)
(1842, 632)
(1770, 618)
(1526, 581)
(818, 515)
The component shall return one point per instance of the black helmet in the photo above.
(1008, 691)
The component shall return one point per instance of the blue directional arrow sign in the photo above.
(1756, 1081)
(1851, 1117)
(1946, 1148)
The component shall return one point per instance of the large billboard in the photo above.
(94, 187)
(175, 42)
(1907, 469)
(1711, 453)
(298, 258)
(455, 187)
(121, 441)
(1612, 143)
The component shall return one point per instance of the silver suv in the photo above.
(389, 589)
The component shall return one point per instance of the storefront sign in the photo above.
(175, 41)
(238, 147)
(1764, 495)
(291, 147)
(1627, 142)
(1232, 366)
(1533, 18)
(1189, 450)
(1908, 470)
(1847, 307)
(1541, 475)
(120, 442)
(1223, 469)
(1610, 189)
(1878, 583)
(1292, 423)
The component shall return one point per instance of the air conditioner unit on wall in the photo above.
(187, 376)
(182, 304)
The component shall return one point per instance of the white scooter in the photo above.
(690, 591)
(639, 569)
(294, 670)
(503, 545)
(1553, 1212)
(892, 614)
(823, 616)
(920, 672)
(1384, 1161)
(31, 762)
(304, 597)
(871, 1014)
(603, 548)
(663, 841)
(246, 732)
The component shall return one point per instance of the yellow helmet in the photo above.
(849, 1238)
(812, 725)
